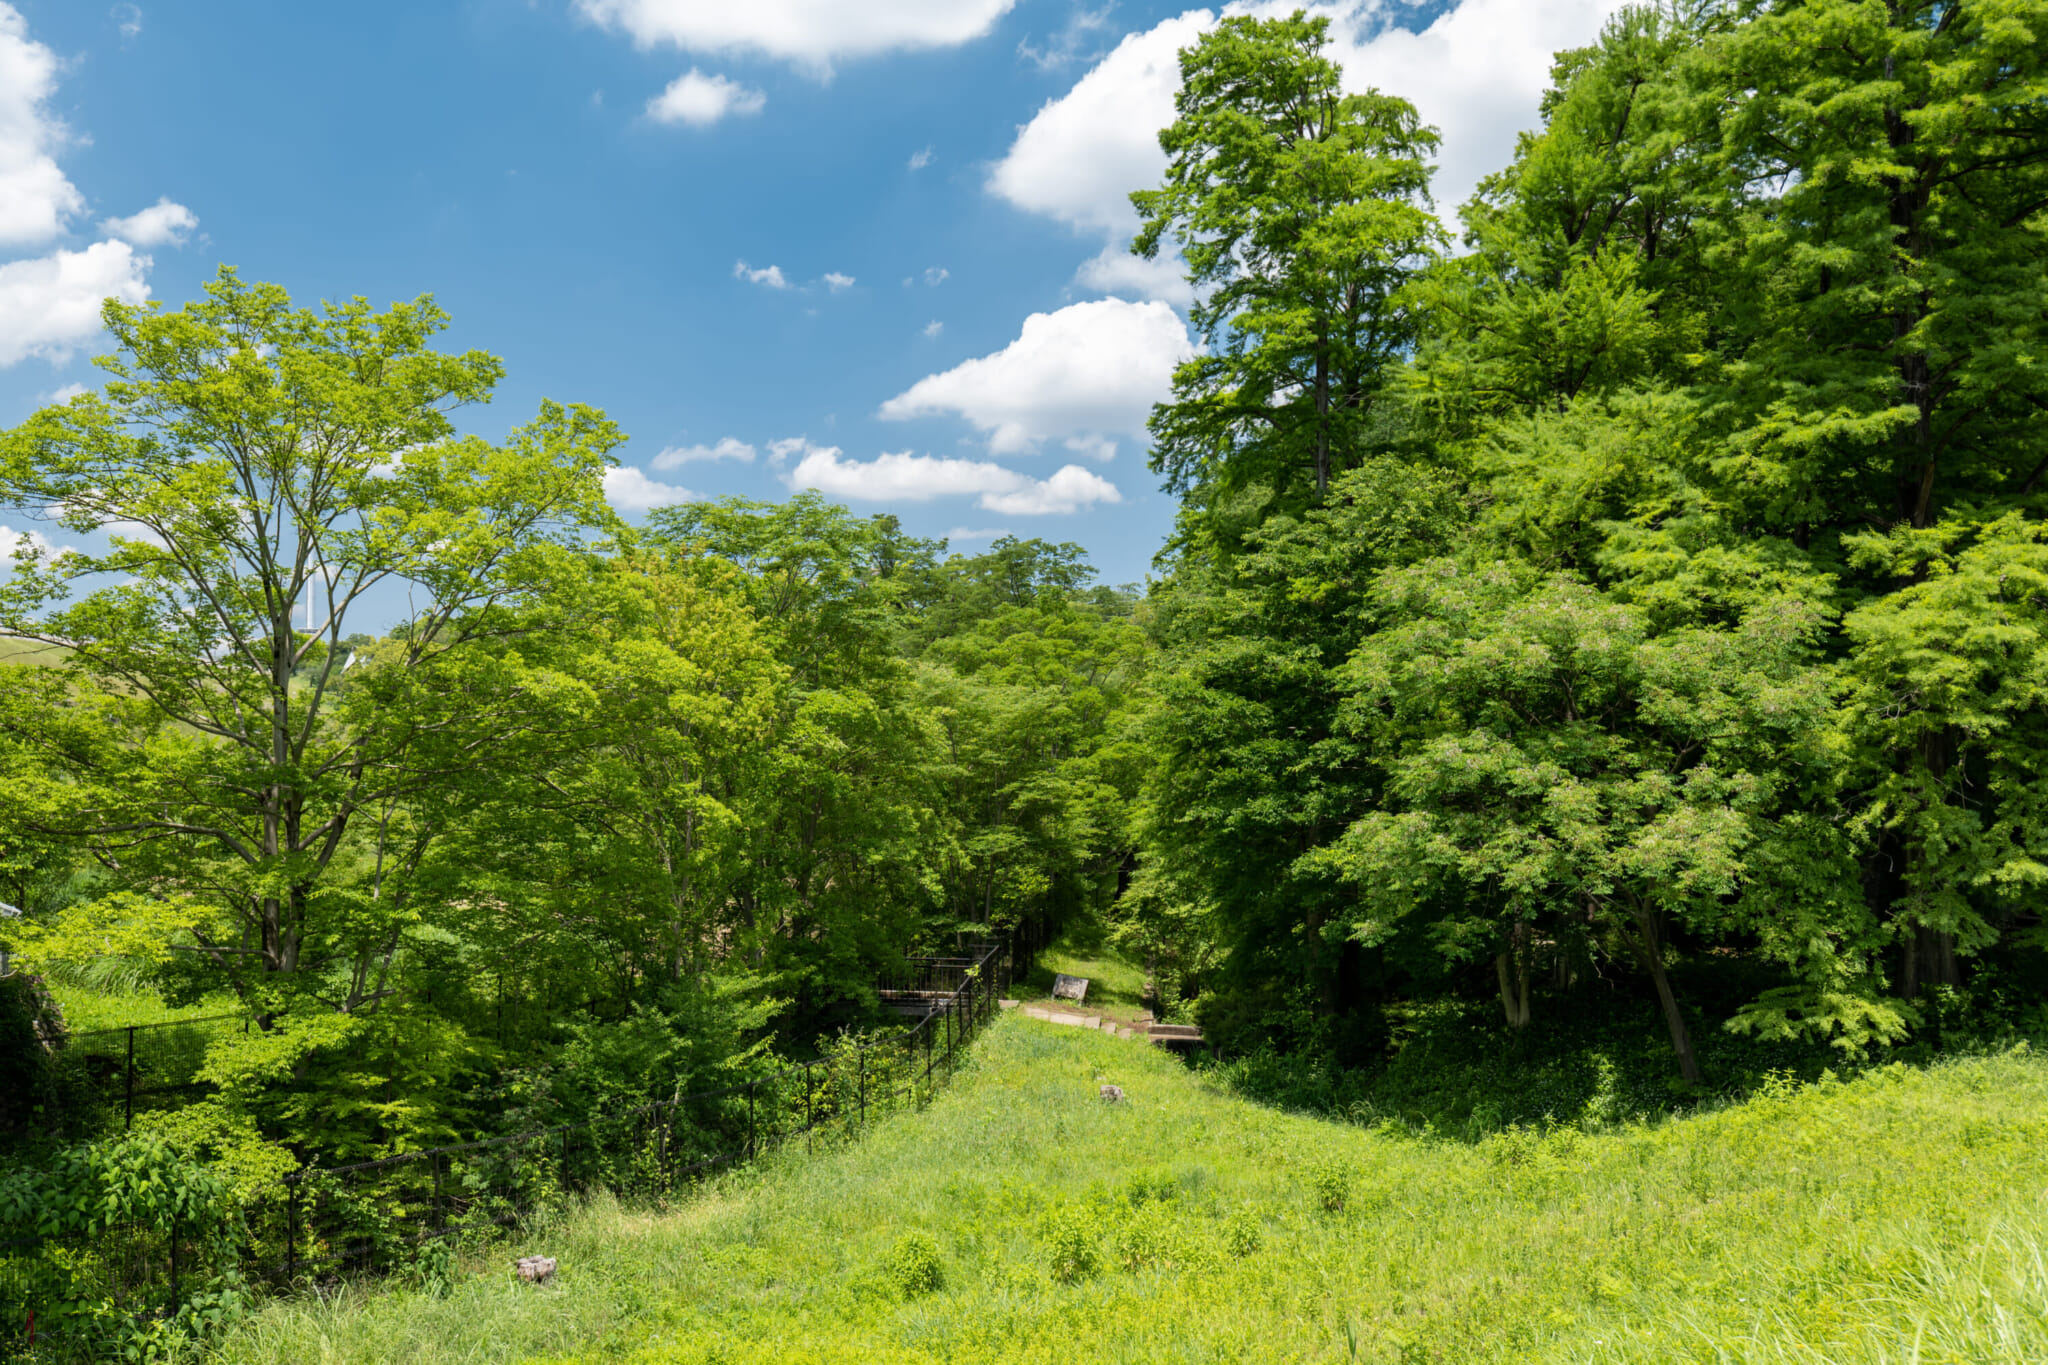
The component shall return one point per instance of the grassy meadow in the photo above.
(1899, 1217)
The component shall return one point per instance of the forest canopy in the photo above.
(1632, 588)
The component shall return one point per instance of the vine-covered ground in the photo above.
(1897, 1217)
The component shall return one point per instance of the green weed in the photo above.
(1891, 1217)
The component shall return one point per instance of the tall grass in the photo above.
(1899, 1217)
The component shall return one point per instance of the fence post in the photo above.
(750, 1120)
(291, 1230)
(862, 1053)
(437, 1221)
(128, 1100)
(809, 1144)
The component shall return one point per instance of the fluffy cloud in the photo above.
(700, 100)
(629, 490)
(837, 282)
(161, 224)
(1114, 270)
(50, 306)
(1082, 154)
(769, 276)
(35, 197)
(934, 327)
(1085, 374)
(921, 478)
(1477, 73)
(920, 158)
(63, 393)
(812, 33)
(10, 541)
(987, 533)
(727, 448)
(127, 18)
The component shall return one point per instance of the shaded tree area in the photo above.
(608, 812)
(1672, 618)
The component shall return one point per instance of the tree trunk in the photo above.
(1929, 956)
(1649, 951)
(1513, 971)
(1322, 419)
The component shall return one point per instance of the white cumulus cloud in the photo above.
(161, 224)
(986, 533)
(934, 327)
(837, 282)
(768, 276)
(920, 158)
(1083, 375)
(905, 477)
(63, 393)
(1114, 270)
(11, 538)
(1477, 73)
(50, 306)
(700, 100)
(127, 18)
(35, 197)
(811, 33)
(726, 448)
(1082, 154)
(629, 490)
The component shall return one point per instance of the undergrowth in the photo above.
(1896, 1216)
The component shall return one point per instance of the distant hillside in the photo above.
(29, 652)
(1898, 1217)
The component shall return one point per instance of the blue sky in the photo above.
(872, 247)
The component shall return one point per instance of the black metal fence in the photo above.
(321, 1224)
(379, 1216)
(134, 1271)
(144, 1065)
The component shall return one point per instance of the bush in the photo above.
(1244, 1233)
(102, 1211)
(1069, 1237)
(1331, 1183)
(914, 1265)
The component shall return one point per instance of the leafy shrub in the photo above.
(1069, 1236)
(1331, 1183)
(100, 1210)
(914, 1266)
(1244, 1232)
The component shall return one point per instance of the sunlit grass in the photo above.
(88, 1010)
(1115, 984)
(1900, 1217)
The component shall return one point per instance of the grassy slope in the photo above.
(1899, 1217)
(30, 652)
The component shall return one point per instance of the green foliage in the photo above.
(1301, 212)
(93, 1214)
(914, 1266)
(1793, 1226)
(1330, 1183)
(1073, 1251)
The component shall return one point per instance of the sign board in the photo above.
(1069, 987)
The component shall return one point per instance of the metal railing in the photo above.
(376, 1216)
(145, 1062)
(372, 1217)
